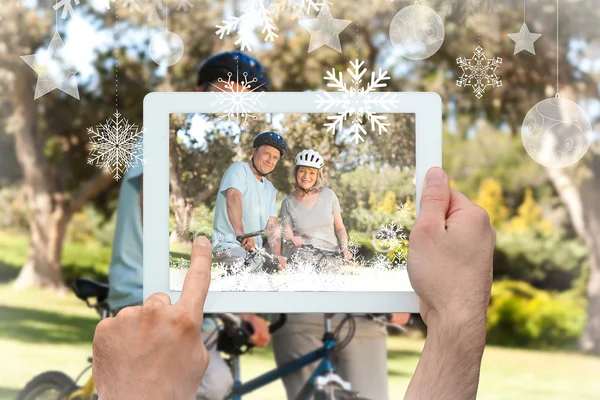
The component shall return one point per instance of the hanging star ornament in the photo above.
(52, 73)
(524, 40)
(325, 30)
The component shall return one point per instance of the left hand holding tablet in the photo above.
(157, 342)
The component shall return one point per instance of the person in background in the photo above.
(125, 276)
(312, 215)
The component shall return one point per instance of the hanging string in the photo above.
(524, 10)
(557, 49)
(116, 53)
(56, 15)
(167, 16)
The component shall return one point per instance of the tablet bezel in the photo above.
(427, 108)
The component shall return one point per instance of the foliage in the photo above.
(78, 259)
(13, 213)
(490, 198)
(520, 315)
(529, 217)
(551, 261)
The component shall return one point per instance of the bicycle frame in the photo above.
(325, 366)
(85, 393)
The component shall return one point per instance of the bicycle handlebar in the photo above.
(334, 253)
(232, 319)
(249, 235)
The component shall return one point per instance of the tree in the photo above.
(50, 137)
(491, 199)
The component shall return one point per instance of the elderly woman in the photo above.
(311, 213)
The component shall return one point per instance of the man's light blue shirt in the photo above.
(125, 275)
(258, 205)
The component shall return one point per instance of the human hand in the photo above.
(450, 254)
(400, 319)
(282, 262)
(155, 351)
(347, 255)
(261, 336)
(248, 244)
(298, 241)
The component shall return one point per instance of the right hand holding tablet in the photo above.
(450, 255)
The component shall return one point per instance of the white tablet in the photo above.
(374, 166)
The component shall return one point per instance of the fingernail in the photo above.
(201, 241)
(435, 176)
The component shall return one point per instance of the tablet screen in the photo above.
(339, 215)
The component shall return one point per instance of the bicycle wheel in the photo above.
(337, 394)
(51, 385)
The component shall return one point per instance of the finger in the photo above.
(435, 198)
(458, 202)
(197, 279)
(158, 299)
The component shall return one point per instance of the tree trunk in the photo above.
(590, 195)
(47, 221)
(581, 196)
(49, 211)
(43, 266)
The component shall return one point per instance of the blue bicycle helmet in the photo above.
(271, 138)
(236, 62)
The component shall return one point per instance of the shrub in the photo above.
(520, 315)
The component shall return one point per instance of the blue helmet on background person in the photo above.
(240, 65)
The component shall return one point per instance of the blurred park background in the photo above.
(57, 214)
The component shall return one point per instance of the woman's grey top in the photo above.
(314, 225)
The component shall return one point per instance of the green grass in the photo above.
(78, 259)
(42, 331)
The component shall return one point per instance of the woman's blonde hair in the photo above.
(319, 183)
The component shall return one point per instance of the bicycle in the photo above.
(324, 383)
(57, 384)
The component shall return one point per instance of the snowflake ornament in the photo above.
(67, 7)
(237, 98)
(479, 72)
(256, 14)
(357, 101)
(405, 210)
(185, 4)
(388, 237)
(296, 8)
(116, 146)
(133, 5)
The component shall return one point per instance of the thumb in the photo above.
(435, 197)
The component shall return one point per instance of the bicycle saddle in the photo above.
(86, 288)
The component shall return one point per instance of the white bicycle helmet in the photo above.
(310, 158)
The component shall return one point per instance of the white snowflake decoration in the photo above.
(116, 146)
(357, 101)
(479, 72)
(238, 98)
(296, 8)
(405, 210)
(255, 14)
(388, 237)
(185, 4)
(67, 7)
(133, 5)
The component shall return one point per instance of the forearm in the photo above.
(274, 236)
(342, 236)
(234, 213)
(450, 364)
